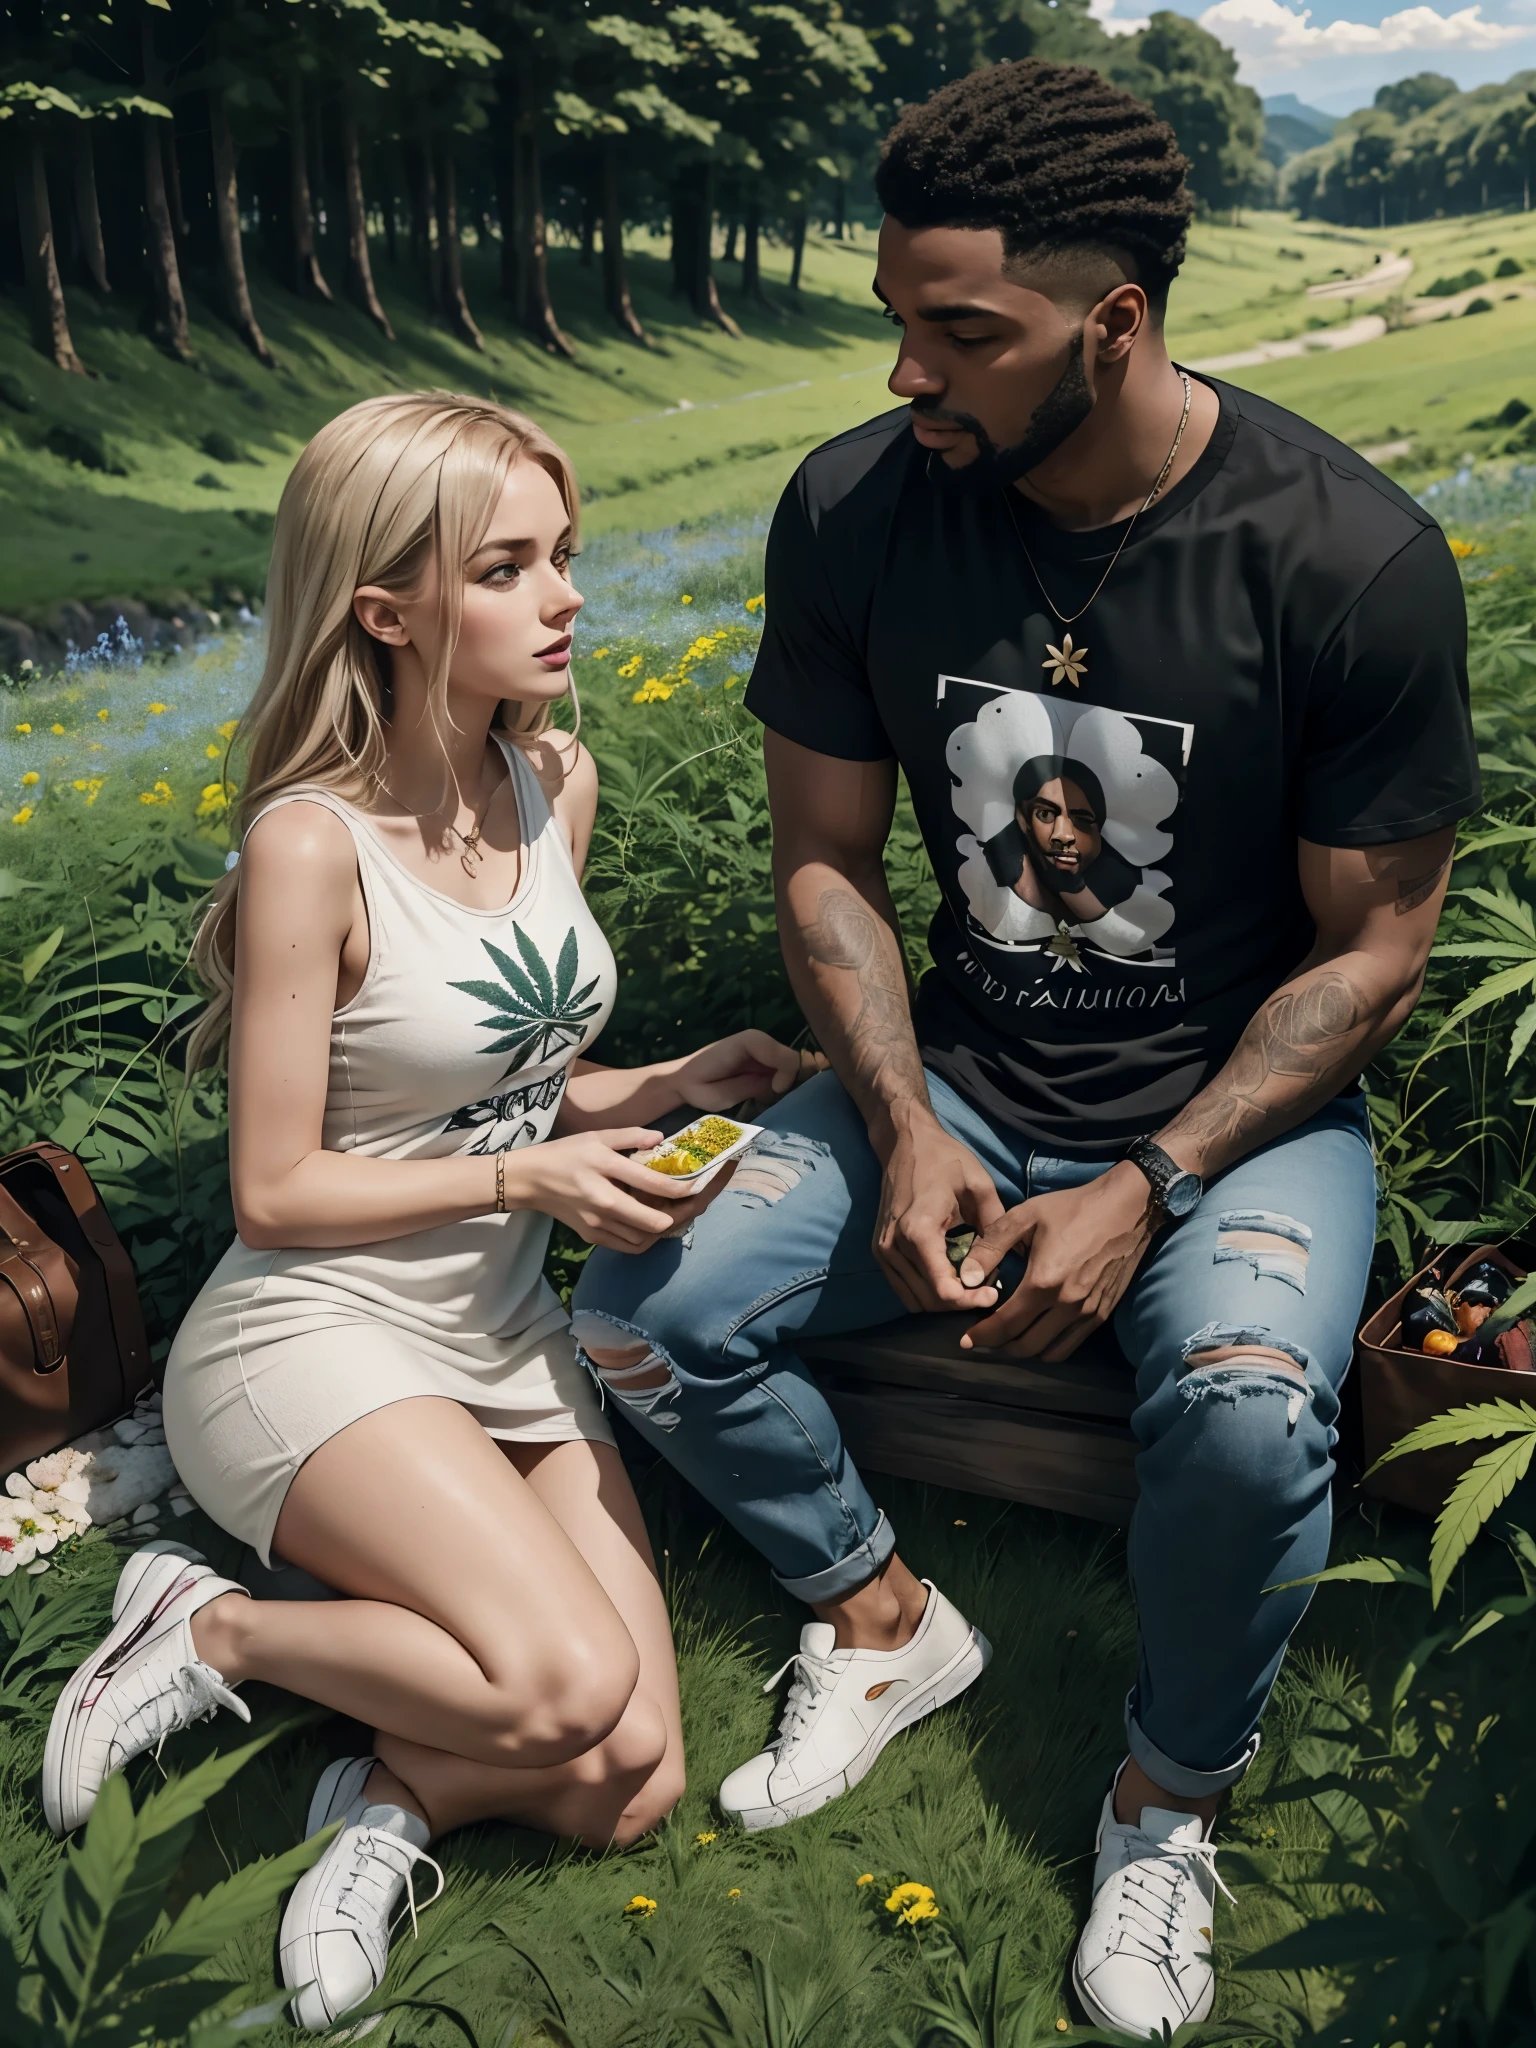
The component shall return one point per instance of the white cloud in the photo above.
(1278, 38)
(1103, 12)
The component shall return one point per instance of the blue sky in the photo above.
(1335, 53)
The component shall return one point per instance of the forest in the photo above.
(1422, 149)
(157, 147)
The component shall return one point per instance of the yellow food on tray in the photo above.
(693, 1149)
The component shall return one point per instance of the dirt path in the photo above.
(1369, 327)
(1386, 272)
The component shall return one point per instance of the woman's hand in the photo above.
(587, 1182)
(747, 1066)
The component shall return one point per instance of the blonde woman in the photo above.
(376, 1382)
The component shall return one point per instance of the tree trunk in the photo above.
(693, 211)
(168, 304)
(509, 207)
(535, 310)
(359, 267)
(588, 227)
(797, 247)
(180, 225)
(391, 230)
(615, 273)
(752, 257)
(841, 210)
(93, 248)
(425, 247)
(731, 228)
(451, 254)
(226, 211)
(40, 263)
(308, 279)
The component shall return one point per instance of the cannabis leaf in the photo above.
(536, 1014)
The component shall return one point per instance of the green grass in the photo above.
(70, 531)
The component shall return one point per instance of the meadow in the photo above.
(1391, 1790)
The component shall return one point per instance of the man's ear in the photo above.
(375, 611)
(1119, 318)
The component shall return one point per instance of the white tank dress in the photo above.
(458, 1041)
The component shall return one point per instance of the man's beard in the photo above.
(1060, 413)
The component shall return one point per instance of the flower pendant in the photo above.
(1067, 663)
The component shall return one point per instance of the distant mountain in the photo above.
(1282, 105)
(1290, 126)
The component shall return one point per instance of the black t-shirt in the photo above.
(1279, 653)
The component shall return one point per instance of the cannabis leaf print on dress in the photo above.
(536, 1014)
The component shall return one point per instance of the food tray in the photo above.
(691, 1183)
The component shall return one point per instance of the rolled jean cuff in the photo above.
(1180, 1778)
(850, 1572)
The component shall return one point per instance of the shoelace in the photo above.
(371, 1884)
(811, 1682)
(1151, 1893)
(196, 1693)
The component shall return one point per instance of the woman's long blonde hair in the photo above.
(383, 491)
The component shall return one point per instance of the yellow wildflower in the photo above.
(755, 604)
(1062, 2027)
(103, 714)
(687, 599)
(212, 753)
(160, 794)
(155, 710)
(228, 728)
(20, 817)
(97, 747)
(29, 778)
(90, 787)
(1462, 548)
(23, 728)
(867, 1878)
(703, 1841)
(215, 801)
(641, 1907)
(912, 1903)
(654, 690)
(599, 652)
(630, 668)
(58, 729)
(734, 1892)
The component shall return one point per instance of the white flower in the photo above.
(18, 1486)
(58, 1468)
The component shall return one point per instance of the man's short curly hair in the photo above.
(1054, 156)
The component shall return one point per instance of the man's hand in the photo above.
(932, 1184)
(1083, 1247)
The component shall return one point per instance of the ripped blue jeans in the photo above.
(1236, 1451)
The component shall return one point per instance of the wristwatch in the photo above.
(1175, 1191)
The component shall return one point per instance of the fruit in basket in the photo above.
(1427, 1311)
(1441, 1343)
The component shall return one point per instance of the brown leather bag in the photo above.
(73, 1353)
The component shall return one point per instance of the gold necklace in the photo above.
(1069, 664)
(472, 852)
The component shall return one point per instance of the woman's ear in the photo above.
(376, 612)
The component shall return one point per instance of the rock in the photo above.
(19, 643)
(105, 615)
(149, 1512)
(126, 1477)
(69, 623)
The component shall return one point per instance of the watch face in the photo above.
(1182, 1194)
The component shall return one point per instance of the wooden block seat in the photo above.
(911, 1403)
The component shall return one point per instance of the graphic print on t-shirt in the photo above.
(1067, 809)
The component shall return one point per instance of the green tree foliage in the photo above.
(298, 134)
(1191, 79)
(1422, 149)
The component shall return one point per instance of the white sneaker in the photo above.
(1144, 1960)
(340, 1793)
(844, 1706)
(145, 1682)
(334, 1943)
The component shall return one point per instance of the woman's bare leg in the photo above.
(631, 1781)
(475, 1625)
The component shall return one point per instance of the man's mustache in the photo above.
(930, 410)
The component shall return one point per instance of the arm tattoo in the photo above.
(848, 935)
(1411, 894)
(1305, 1034)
